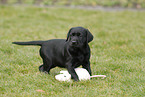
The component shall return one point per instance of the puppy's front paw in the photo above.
(76, 80)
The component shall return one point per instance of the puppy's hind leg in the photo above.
(41, 68)
(47, 62)
(47, 65)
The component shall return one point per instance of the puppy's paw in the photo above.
(41, 68)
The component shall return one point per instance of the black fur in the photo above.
(69, 53)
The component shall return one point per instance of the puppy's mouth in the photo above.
(74, 44)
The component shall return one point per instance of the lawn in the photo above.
(118, 51)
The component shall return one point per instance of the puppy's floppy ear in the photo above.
(68, 34)
(89, 36)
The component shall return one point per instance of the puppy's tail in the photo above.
(39, 43)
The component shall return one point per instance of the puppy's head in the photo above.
(79, 36)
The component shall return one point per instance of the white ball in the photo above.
(63, 76)
(82, 73)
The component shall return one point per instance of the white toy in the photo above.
(82, 73)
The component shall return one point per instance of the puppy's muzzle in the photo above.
(74, 42)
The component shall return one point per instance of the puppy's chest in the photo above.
(79, 57)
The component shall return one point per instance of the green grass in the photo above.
(105, 3)
(118, 51)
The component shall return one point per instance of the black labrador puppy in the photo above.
(69, 53)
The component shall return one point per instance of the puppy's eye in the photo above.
(78, 34)
(73, 34)
(64, 76)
